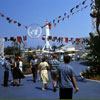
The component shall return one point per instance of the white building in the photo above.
(68, 48)
(1, 47)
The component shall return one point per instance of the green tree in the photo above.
(94, 42)
(96, 14)
(12, 51)
(39, 47)
(54, 47)
(61, 45)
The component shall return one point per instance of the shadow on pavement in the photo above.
(29, 80)
(40, 88)
(86, 63)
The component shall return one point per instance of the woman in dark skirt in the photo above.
(17, 74)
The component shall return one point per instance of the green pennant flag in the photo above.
(9, 21)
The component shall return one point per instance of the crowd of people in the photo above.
(13, 64)
(62, 74)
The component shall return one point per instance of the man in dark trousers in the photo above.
(6, 72)
(54, 63)
(34, 67)
(67, 79)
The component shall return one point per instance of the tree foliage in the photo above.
(12, 51)
(94, 42)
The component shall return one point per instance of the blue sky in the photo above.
(39, 11)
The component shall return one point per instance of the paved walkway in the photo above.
(29, 90)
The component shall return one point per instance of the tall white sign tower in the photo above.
(47, 46)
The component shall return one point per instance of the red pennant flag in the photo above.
(55, 38)
(7, 18)
(54, 23)
(66, 40)
(26, 27)
(59, 17)
(86, 6)
(43, 38)
(25, 37)
(78, 40)
(15, 21)
(19, 39)
(49, 25)
(50, 37)
(73, 13)
(82, 42)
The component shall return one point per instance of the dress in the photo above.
(44, 72)
(17, 74)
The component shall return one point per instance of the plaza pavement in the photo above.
(29, 90)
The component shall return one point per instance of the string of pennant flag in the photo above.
(66, 15)
(65, 39)
(92, 5)
(17, 39)
(55, 21)
(11, 20)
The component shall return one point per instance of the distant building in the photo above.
(77, 48)
(68, 48)
(81, 45)
(1, 47)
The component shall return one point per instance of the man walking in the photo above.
(34, 67)
(67, 79)
(6, 72)
(53, 68)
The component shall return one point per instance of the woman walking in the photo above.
(43, 67)
(17, 74)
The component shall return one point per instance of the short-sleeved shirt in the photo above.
(43, 65)
(2, 61)
(54, 63)
(6, 63)
(65, 72)
(34, 62)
